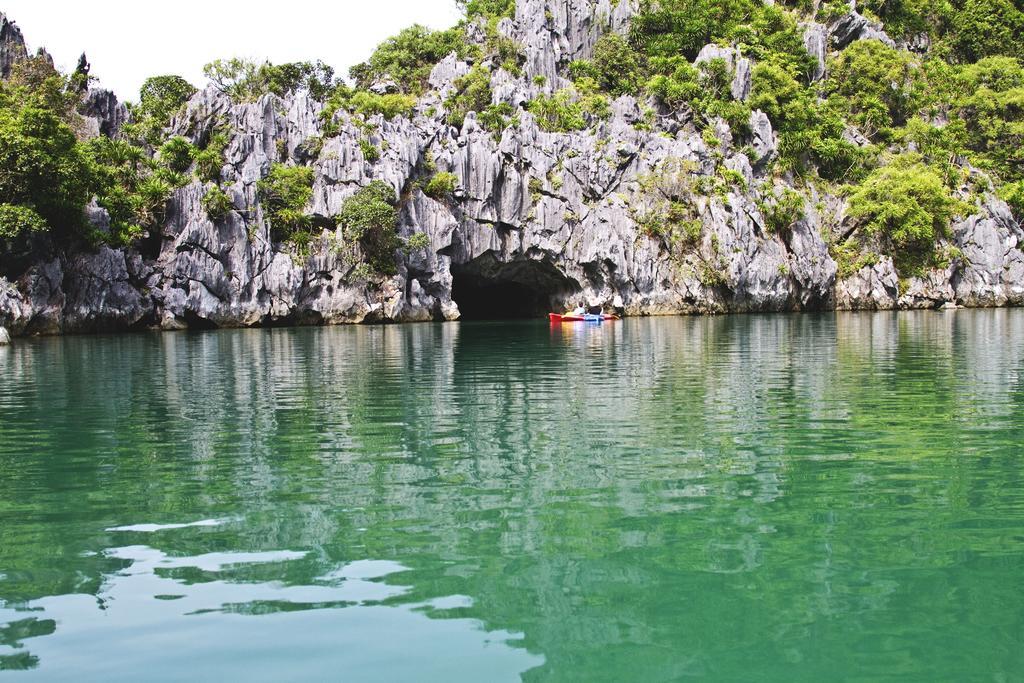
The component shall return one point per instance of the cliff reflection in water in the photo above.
(643, 500)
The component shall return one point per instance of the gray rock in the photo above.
(5, 337)
(384, 87)
(13, 308)
(555, 33)
(764, 142)
(810, 266)
(97, 217)
(12, 46)
(100, 294)
(992, 268)
(847, 29)
(816, 42)
(43, 298)
(875, 32)
(42, 54)
(919, 43)
(871, 288)
(739, 66)
(855, 26)
(106, 113)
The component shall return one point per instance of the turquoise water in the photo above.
(791, 498)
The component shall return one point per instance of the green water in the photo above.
(791, 498)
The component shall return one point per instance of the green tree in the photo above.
(369, 218)
(674, 81)
(559, 113)
(284, 194)
(907, 207)
(776, 92)
(245, 80)
(775, 35)
(130, 187)
(993, 113)
(987, 28)
(18, 221)
(489, 9)
(408, 58)
(441, 185)
(44, 173)
(235, 77)
(877, 85)
(176, 154)
(618, 66)
(905, 18)
(217, 203)
(472, 93)
(667, 28)
(1013, 195)
(497, 117)
(161, 97)
(316, 78)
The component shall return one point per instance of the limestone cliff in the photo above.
(538, 221)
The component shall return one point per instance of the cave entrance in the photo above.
(485, 289)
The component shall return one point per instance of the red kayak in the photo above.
(569, 318)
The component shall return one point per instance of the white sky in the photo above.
(129, 40)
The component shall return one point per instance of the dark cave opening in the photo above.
(196, 322)
(487, 290)
(480, 300)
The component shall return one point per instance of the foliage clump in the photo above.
(370, 151)
(218, 203)
(210, 159)
(1013, 195)
(906, 207)
(161, 97)
(245, 80)
(177, 154)
(367, 104)
(441, 185)
(472, 93)
(408, 58)
(284, 194)
(667, 28)
(368, 218)
(416, 242)
(992, 112)
(568, 109)
(666, 209)
(488, 9)
(18, 221)
(495, 118)
(47, 176)
(615, 68)
(877, 85)
(782, 211)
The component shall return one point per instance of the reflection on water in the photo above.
(807, 497)
(163, 616)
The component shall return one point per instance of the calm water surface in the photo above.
(791, 498)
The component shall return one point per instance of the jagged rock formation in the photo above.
(12, 45)
(539, 220)
(855, 26)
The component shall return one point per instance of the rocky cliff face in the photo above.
(539, 220)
